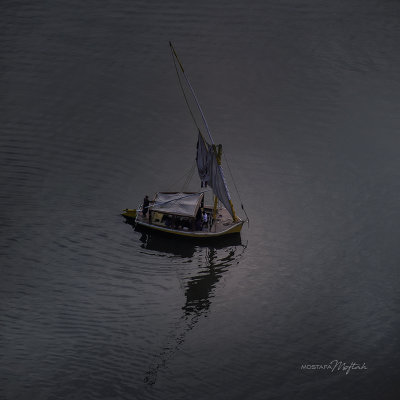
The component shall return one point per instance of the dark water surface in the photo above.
(305, 97)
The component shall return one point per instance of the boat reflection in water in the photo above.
(199, 288)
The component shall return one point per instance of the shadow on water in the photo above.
(217, 257)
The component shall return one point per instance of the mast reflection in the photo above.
(200, 288)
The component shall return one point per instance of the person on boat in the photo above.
(205, 219)
(146, 203)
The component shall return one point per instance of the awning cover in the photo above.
(185, 204)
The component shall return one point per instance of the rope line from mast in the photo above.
(187, 176)
(237, 190)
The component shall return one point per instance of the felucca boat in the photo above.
(185, 213)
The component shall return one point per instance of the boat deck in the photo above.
(223, 224)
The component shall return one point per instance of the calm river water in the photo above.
(305, 97)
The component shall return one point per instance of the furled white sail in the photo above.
(202, 159)
(211, 172)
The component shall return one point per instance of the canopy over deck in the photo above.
(177, 203)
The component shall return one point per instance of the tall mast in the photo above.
(193, 93)
(217, 153)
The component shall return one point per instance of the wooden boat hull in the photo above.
(234, 228)
(181, 245)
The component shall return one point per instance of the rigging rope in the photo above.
(185, 176)
(237, 190)
(189, 178)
